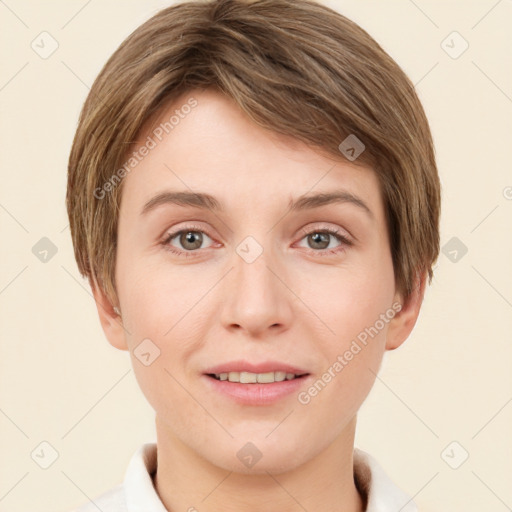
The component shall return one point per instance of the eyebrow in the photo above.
(209, 202)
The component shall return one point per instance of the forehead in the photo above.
(204, 141)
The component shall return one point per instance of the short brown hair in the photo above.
(295, 67)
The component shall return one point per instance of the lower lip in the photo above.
(257, 394)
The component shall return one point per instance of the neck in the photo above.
(185, 481)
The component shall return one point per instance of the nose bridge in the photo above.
(255, 250)
(252, 262)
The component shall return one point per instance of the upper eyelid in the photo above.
(324, 227)
(334, 231)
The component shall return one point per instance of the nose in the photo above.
(257, 298)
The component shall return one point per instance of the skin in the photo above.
(291, 304)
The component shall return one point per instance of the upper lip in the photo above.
(246, 366)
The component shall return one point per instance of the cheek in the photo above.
(354, 305)
(157, 296)
(348, 299)
(167, 392)
(351, 361)
(160, 307)
(161, 304)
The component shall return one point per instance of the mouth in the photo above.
(256, 389)
(256, 384)
(256, 378)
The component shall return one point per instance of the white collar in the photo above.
(382, 493)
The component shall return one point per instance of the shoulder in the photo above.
(112, 500)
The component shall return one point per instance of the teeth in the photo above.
(253, 378)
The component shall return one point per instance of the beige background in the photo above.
(61, 382)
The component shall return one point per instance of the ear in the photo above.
(111, 322)
(401, 325)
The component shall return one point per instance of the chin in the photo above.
(259, 456)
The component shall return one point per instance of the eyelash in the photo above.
(323, 252)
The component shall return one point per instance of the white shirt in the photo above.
(137, 493)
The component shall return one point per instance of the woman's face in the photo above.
(241, 278)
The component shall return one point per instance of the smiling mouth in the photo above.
(255, 378)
